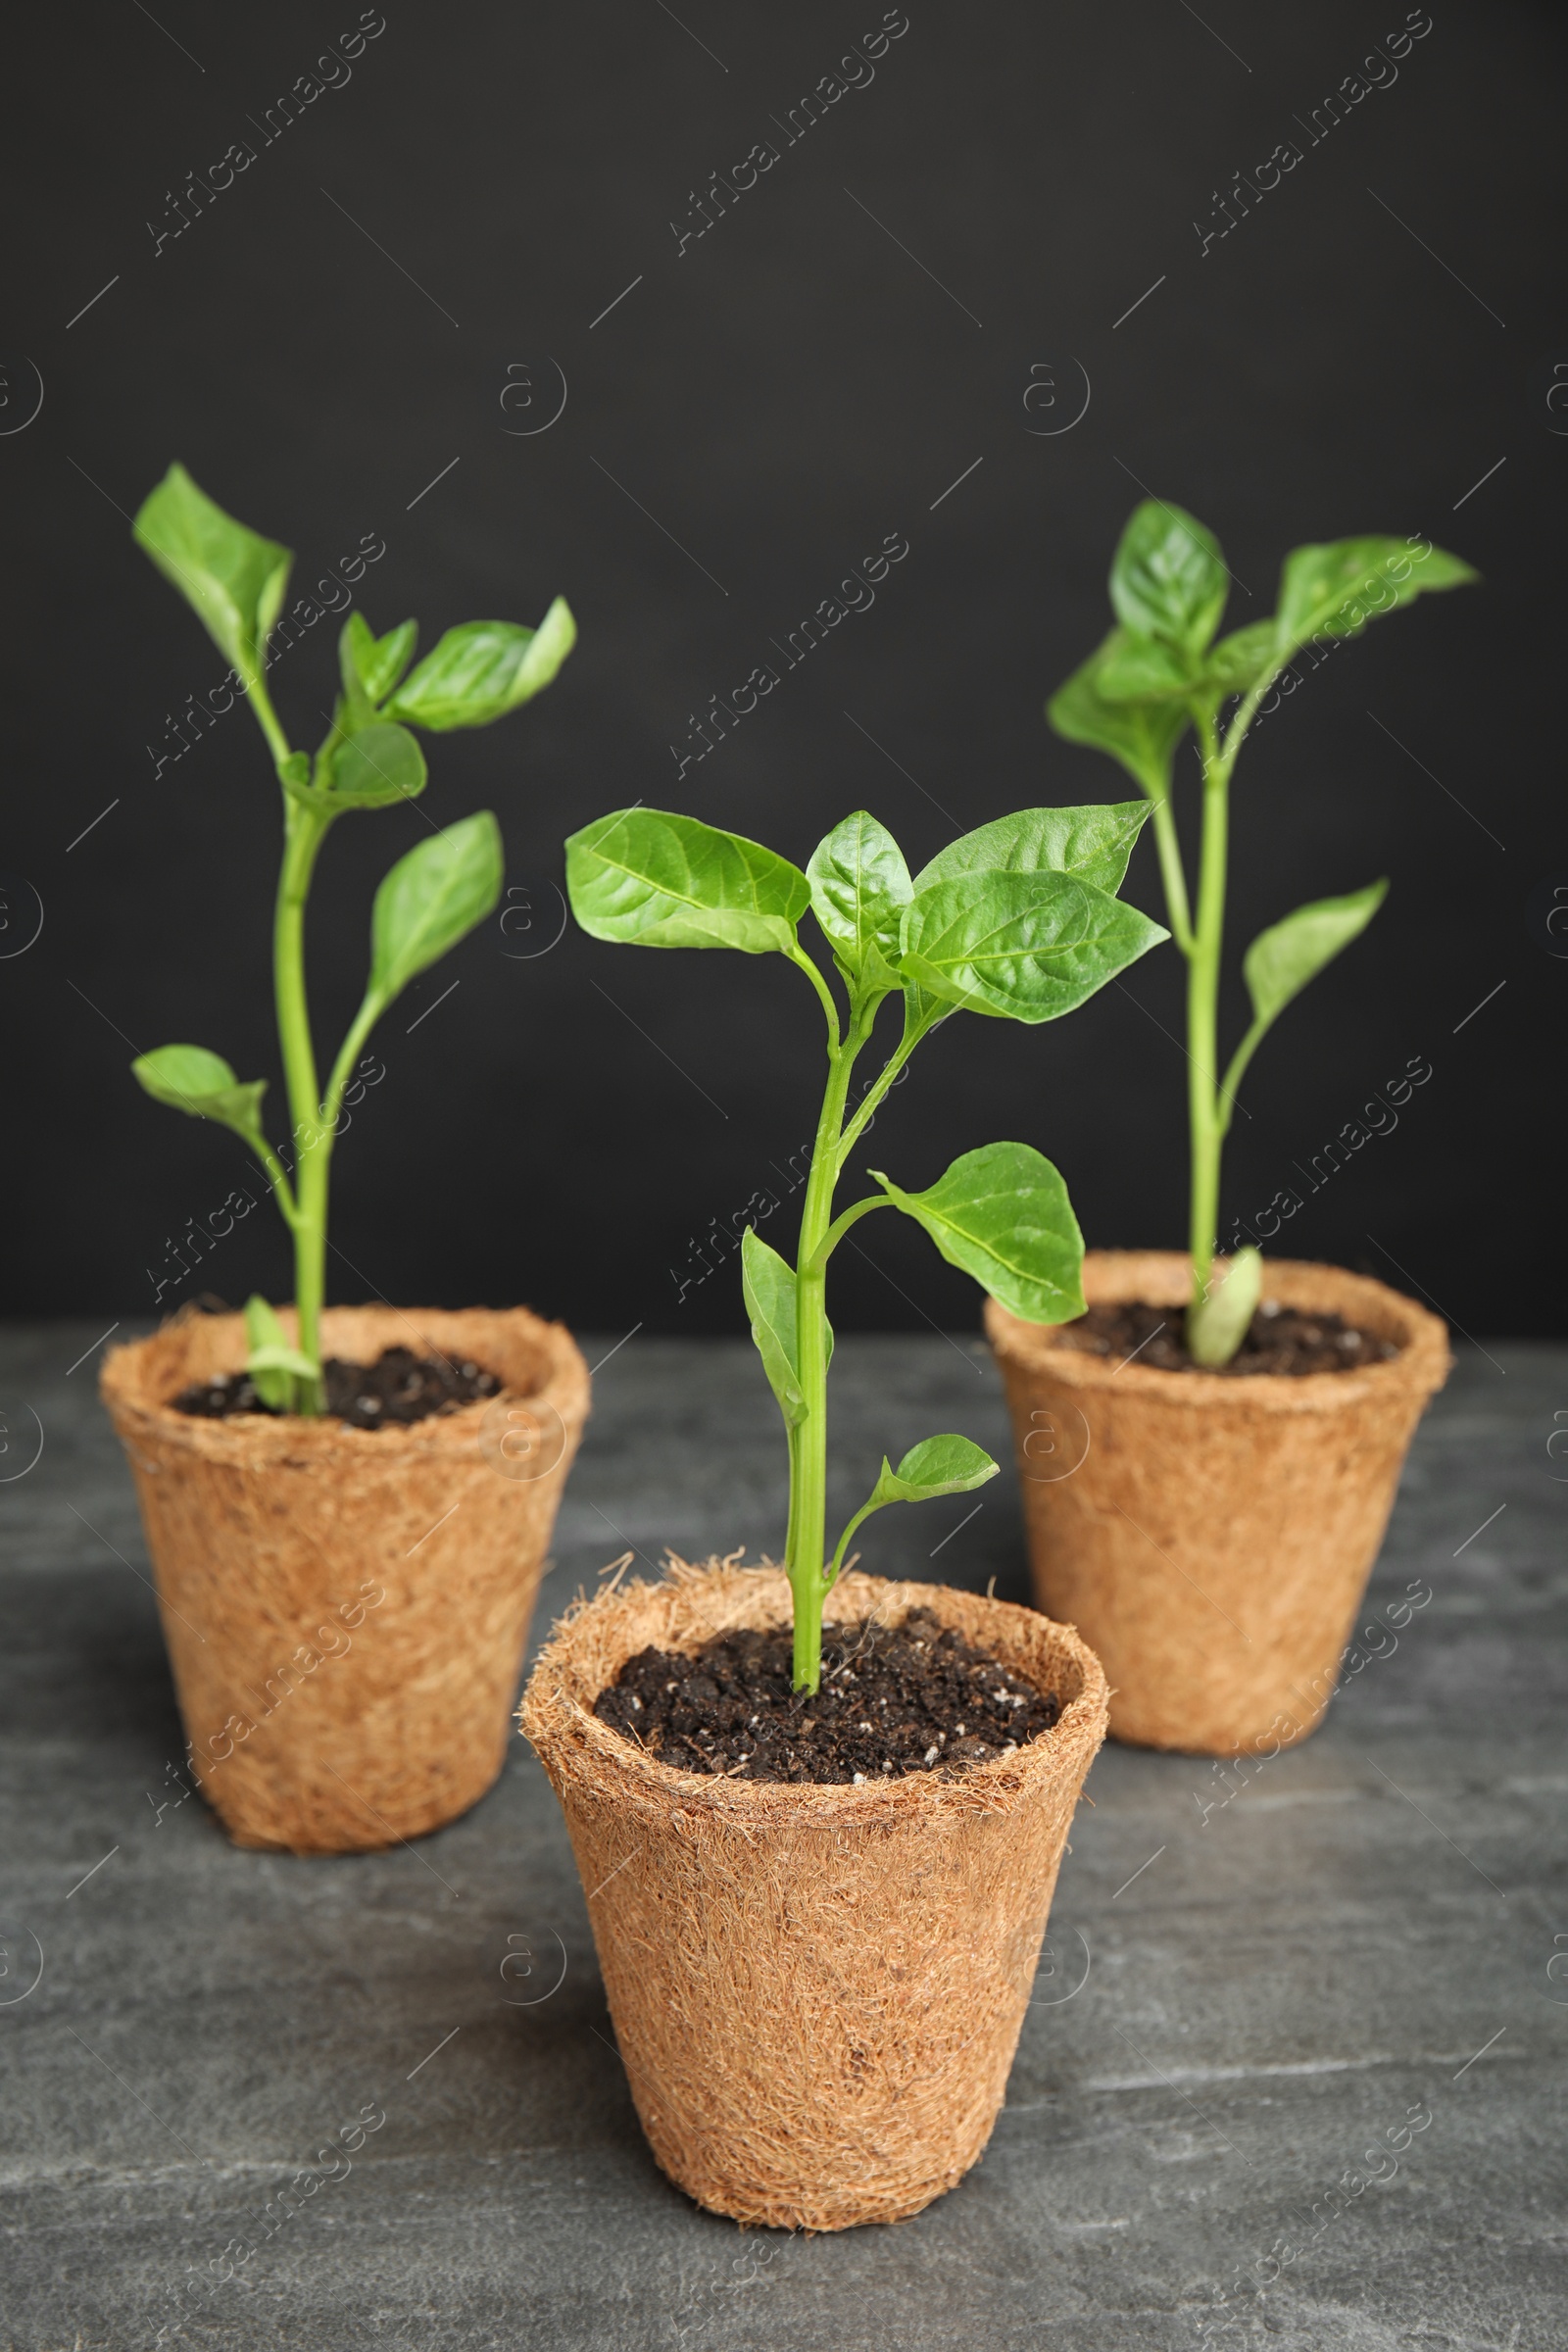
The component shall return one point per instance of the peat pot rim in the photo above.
(141, 1380)
(1161, 1278)
(588, 1646)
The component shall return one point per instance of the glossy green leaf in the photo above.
(376, 767)
(1217, 1325)
(936, 1466)
(271, 1362)
(431, 898)
(1280, 960)
(1169, 577)
(480, 671)
(859, 888)
(946, 1465)
(190, 1079)
(1091, 843)
(233, 578)
(1143, 736)
(1003, 1214)
(652, 880)
(767, 1283)
(372, 665)
(1023, 947)
(1335, 589)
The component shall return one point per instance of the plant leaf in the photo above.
(767, 1283)
(859, 888)
(375, 767)
(1280, 960)
(1335, 589)
(478, 672)
(233, 578)
(652, 880)
(190, 1079)
(1144, 669)
(1169, 577)
(372, 665)
(1217, 1326)
(1024, 947)
(1003, 1214)
(431, 898)
(1240, 660)
(1093, 843)
(1143, 736)
(946, 1465)
(272, 1364)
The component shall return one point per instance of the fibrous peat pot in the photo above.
(817, 1990)
(1210, 1535)
(346, 1609)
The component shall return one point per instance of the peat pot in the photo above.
(1212, 1534)
(346, 1609)
(816, 1991)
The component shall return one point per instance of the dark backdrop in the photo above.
(764, 405)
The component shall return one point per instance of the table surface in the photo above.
(1238, 2001)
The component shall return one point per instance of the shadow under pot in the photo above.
(346, 1609)
(816, 1988)
(1212, 1535)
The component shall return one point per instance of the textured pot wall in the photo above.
(816, 1991)
(346, 1609)
(1211, 1536)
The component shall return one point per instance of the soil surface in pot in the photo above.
(1280, 1340)
(399, 1387)
(894, 1700)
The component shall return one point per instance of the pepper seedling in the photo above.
(1019, 921)
(1158, 674)
(370, 759)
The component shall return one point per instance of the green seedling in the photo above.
(1019, 921)
(1158, 674)
(432, 898)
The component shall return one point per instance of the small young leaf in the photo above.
(1334, 590)
(478, 672)
(431, 898)
(859, 888)
(1094, 843)
(376, 767)
(1023, 947)
(1218, 1324)
(1143, 736)
(652, 880)
(1003, 1214)
(936, 1466)
(272, 1364)
(1280, 960)
(232, 577)
(769, 1284)
(372, 665)
(1240, 660)
(1169, 577)
(190, 1079)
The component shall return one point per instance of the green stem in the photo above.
(917, 1025)
(841, 1226)
(807, 1533)
(1203, 1013)
(304, 830)
(1170, 870)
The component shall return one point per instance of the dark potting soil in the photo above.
(399, 1387)
(1280, 1339)
(894, 1700)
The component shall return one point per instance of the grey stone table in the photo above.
(1238, 2001)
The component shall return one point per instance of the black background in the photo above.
(780, 395)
